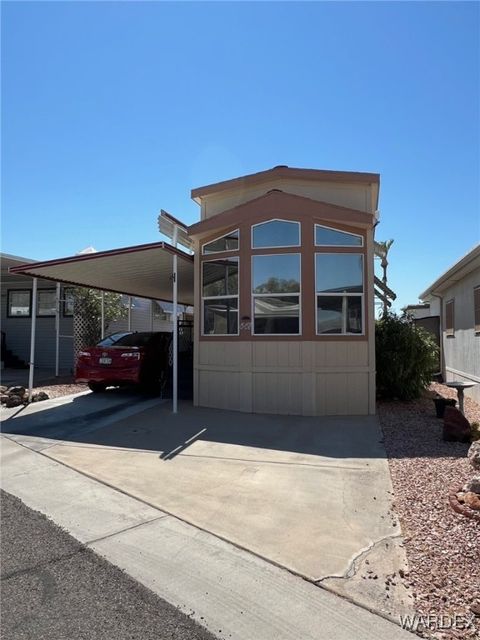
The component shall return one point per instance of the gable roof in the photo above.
(276, 203)
(282, 171)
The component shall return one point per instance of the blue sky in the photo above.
(111, 111)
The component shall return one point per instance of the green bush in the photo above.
(407, 357)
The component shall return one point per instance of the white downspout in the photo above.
(152, 304)
(57, 330)
(32, 340)
(129, 326)
(175, 326)
(102, 313)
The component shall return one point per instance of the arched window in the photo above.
(275, 233)
(228, 242)
(329, 237)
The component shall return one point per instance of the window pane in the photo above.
(228, 242)
(354, 314)
(331, 238)
(19, 303)
(68, 302)
(278, 314)
(278, 273)
(220, 316)
(339, 272)
(339, 314)
(220, 277)
(46, 303)
(277, 233)
(329, 314)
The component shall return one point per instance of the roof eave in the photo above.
(447, 278)
(319, 175)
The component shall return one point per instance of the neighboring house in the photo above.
(16, 313)
(455, 296)
(284, 292)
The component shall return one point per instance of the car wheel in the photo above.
(97, 387)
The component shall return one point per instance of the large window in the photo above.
(19, 303)
(220, 296)
(275, 233)
(228, 242)
(276, 294)
(46, 302)
(339, 292)
(328, 237)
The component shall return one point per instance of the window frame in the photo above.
(14, 315)
(283, 246)
(45, 315)
(222, 297)
(340, 295)
(219, 238)
(476, 309)
(342, 246)
(297, 294)
(450, 331)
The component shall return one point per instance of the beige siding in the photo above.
(345, 195)
(287, 377)
(461, 351)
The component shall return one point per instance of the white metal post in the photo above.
(129, 313)
(152, 303)
(175, 325)
(32, 340)
(57, 330)
(102, 320)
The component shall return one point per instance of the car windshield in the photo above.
(112, 339)
(140, 339)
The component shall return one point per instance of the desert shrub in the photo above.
(406, 358)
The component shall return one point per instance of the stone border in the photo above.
(460, 508)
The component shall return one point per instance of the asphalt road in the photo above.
(53, 587)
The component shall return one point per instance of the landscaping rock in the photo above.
(472, 500)
(13, 401)
(474, 455)
(38, 397)
(473, 485)
(16, 391)
(456, 428)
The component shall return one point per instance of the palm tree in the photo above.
(381, 251)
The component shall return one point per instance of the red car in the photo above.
(126, 358)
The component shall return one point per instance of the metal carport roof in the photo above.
(144, 271)
(157, 271)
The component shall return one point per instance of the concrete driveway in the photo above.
(312, 495)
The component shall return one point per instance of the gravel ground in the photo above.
(443, 547)
(58, 387)
(54, 588)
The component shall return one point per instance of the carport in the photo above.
(158, 271)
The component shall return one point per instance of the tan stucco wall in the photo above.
(355, 196)
(462, 351)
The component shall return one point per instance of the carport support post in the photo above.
(57, 330)
(129, 313)
(175, 325)
(32, 339)
(102, 320)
